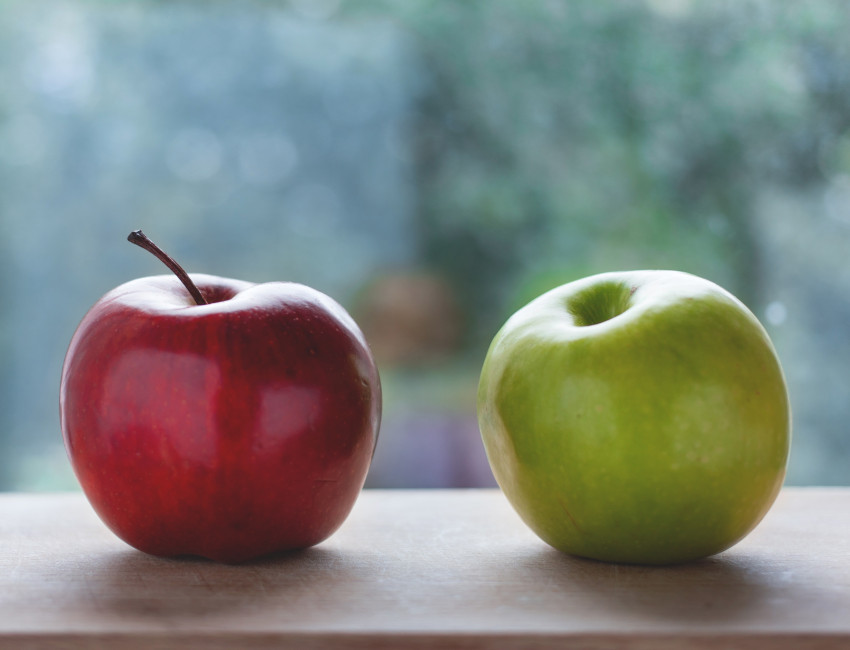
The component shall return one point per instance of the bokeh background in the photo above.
(433, 166)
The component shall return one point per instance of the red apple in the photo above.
(229, 430)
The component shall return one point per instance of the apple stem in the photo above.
(139, 238)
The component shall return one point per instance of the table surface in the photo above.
(450, 568)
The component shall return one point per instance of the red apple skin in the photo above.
(231, 430)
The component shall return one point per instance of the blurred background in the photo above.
(433, 166)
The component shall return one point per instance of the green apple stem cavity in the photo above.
(599, 303)
(139, 238)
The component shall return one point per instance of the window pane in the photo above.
(432, 166)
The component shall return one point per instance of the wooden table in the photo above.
(446, 569)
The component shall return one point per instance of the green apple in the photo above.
(638, 417)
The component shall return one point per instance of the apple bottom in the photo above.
(637, 524)
(217, 519)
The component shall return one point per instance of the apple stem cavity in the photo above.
(599, 303)
(139, 238)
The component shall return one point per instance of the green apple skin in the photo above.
(636, 417)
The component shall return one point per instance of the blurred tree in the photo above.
(503, 146)
(559, 139)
